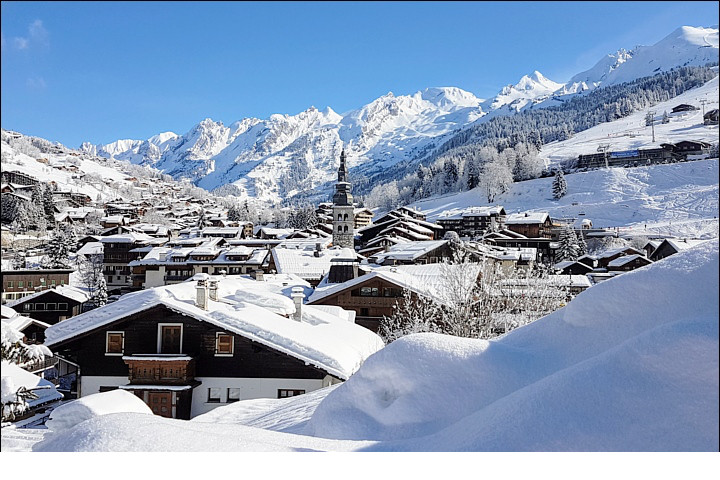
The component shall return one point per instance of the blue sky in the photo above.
(102, 71)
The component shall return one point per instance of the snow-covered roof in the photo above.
(321, 339)
(14, 377)
(130, 237)
(426, 280)
(7, 312)
(620, 261)
(91, 248)
(683, 244)
(526, 218)
(304, 263)
(409, 251)
(73, 293)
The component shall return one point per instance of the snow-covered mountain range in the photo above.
(284, 155)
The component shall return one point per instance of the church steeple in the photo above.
(343, 209)
(342, 187)
(342, 171)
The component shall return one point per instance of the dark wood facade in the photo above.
(198, 341)
(20, 283)
(370, 300)
(50, 307)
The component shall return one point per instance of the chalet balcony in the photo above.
(160, 369)
(177, 278)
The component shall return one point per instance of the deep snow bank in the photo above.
(631, 364)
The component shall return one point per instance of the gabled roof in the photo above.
(526, 218)
(73, 293)
(426, 280)
(410, 250)
(620, 261)
(304, 263)
(320, 339)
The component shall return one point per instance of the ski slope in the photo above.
(678, 199)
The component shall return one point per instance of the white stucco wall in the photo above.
(250, 388)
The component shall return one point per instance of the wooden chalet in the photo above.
(21, 283)
(52, 305)
(684, 107)
(188, 348)
(627, 263)
(531, 225)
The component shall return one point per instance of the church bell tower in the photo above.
(343, 210)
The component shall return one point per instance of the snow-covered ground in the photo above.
(629, 365)
(631, 133)
(679, 199)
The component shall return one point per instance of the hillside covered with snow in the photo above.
(629, 365)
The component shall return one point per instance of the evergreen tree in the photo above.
(582, 245)
(18, 260)
(101, 295)
(568, 245)
(665, 117)
(559, 185)
(58, 253)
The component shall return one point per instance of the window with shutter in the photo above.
(115, 344)
(223, 344)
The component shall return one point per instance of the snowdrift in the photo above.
(70, 414)
(631, 364)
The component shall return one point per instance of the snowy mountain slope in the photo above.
(276, 157)
(686, 46)
(284, 155)
(14, 160)
(72, 170)
(530, 89)
(629, 365)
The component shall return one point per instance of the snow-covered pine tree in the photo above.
(18, 260)
(568, 245)
(101, 295)
(559, 185)
(665, 117)
(58, 253)
(582, 245)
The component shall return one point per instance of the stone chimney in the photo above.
(162, 256)
(297, 296)
(201, 297)
(213, 289)
(258, 275)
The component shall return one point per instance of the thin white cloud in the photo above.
(20, 43)
(36, 83)
(37, 35)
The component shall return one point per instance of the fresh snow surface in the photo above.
(629, 365)
(679, 199)
(70, 414)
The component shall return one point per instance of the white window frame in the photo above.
(159, 334)
(212, 399)
(107, 340)
(232, 345)
(239, 392)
